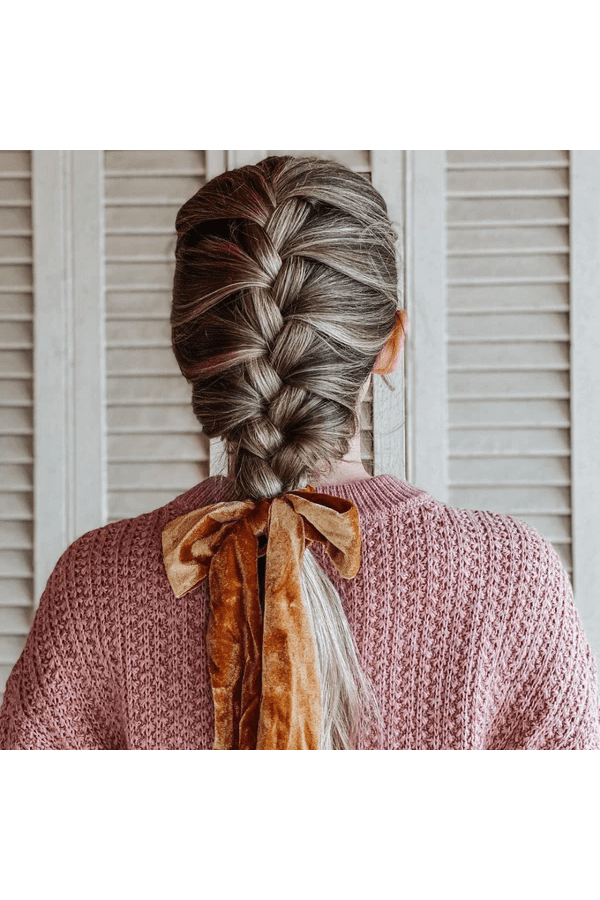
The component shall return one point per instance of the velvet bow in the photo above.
(263, 666)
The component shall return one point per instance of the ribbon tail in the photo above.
(290, 712)
(234, 638)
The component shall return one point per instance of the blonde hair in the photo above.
(285, 292)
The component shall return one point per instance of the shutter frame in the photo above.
(585, 387)
(426, 351)
(69, 494)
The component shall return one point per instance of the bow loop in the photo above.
(190, 541)
(336, 523)
(263, 667)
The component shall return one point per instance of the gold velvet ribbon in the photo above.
(263, 666)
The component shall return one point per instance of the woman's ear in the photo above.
(389, 357)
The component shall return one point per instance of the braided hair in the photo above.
(285, 291)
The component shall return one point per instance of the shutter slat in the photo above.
(15, 564)
(16, 190)
(130, 304)
(521, 355)
(14, 621)
(508, 210)
(16, 420)
(16, 535)
(549, 266)
(16, 592)
(16, 476)
(167, 447)
(132, 333)
(509, 326)
(15, 247)
(484, 413)
(154, 188)
(16, 505)
(120, 219)
(143, 361)
(15, 161)
(535, 470)
(122, 275)
(557, 529)
(148, 476)
(144, 245)
(16, 392)
(511, 500)
(497, 157)
(173, 418)
(16, 364)
(11, 646)
(553, 239)
(13, 305)
(16, 448)
(498, 298)
(497, 182)
(509, 441)
(140, 389)
(154, 160)
(500, 385)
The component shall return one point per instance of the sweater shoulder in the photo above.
(144, 530)
(490, 530)
(491, 554)
(125, 556)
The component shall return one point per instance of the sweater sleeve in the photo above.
(555, 705)
(56, 694)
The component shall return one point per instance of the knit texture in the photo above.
(464, 620)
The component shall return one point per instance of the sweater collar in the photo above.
(373, 496)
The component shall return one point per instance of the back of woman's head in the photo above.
(285, 292)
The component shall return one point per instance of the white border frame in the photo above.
(69, 352)
(426, 349)
(389, 438)
(585, 386)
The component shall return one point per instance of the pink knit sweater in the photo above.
(464, 620)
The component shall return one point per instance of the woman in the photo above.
(299, 603)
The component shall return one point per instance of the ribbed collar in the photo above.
(373, 496)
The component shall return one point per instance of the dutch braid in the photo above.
(285, 292)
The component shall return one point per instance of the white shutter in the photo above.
(507, 268)
(155, 447)
(16, 408)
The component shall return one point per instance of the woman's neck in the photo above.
(348, 469)
(344, 471)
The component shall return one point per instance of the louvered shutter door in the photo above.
(16, 408)
(155, 447)
(507, 264)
